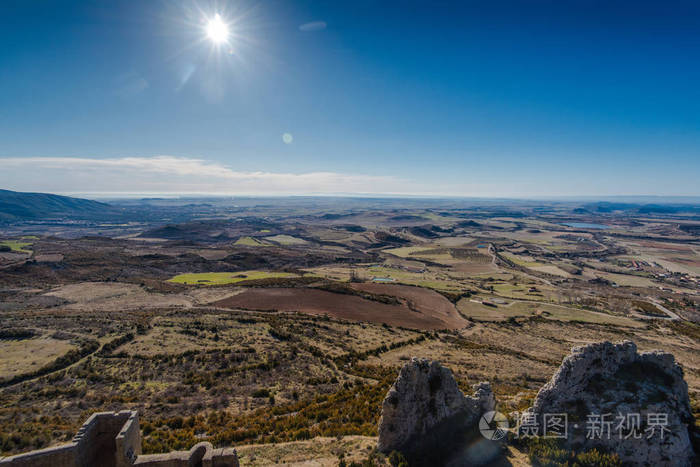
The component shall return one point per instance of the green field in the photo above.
(220, 278)
(18, 246)
(250, 241)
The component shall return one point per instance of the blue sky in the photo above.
(541, 98)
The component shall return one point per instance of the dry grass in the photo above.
(474, 308)
(321, 452)
(114, 296)
(26, 355)
(286, 240)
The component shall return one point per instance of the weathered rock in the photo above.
(614, 379)
(424, 396)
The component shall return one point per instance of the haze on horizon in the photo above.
(507, 99)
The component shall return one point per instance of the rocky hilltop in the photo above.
(633, 404)
(425, 407)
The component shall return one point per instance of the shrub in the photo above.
(396, 459)
(261, 393)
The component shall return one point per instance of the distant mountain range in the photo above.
(20, 206)
(656, 208)
(16, 206)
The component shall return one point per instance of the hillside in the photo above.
(16, 205)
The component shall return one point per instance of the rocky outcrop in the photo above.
(423, 399)
(633, 404)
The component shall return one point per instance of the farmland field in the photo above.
(351, 307)
(473, 308)
(221, 278)
(17, 245)
(286, 240)
(250, 241)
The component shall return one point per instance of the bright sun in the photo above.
(217, 30)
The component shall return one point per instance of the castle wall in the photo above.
(201, 455)
(222, 457)
(109, 439)
(57, 456)
(94, 444)
(96, 439)
(128, 442)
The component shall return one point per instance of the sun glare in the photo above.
(217, 30)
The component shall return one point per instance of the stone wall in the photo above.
(96, 439)
(202, 454)
(57, 456)
(128, 442)
(109, 439)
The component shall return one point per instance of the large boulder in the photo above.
(425, 400)
(618, 400)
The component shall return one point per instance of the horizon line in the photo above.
(366, 195)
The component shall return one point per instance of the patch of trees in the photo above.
(693, 229)
(352, 228)
(352, 357)
(423, 232)
(384, 237)
(454, 297)
(112, 345)
(467, 224)
(17, 334)
(288, 282)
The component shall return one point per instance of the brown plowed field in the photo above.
(426, 301)
(351, 307)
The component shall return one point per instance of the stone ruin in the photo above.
(605, 378)
(109, 439)
(425, 410)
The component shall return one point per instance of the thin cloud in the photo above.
(168, 174)
(313, 26)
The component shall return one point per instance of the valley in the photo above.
(286, 320)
